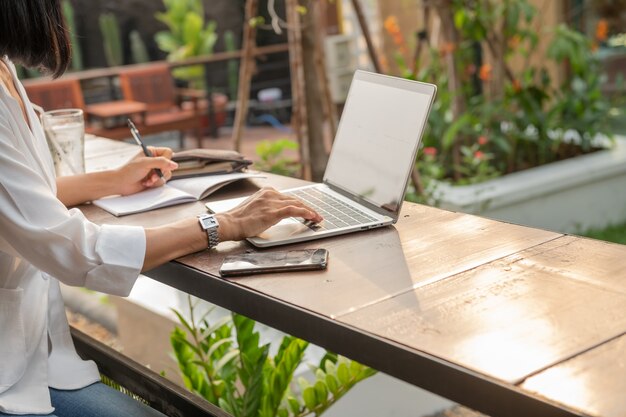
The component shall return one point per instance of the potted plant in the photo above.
(502, 135)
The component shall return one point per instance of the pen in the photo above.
(146, 151)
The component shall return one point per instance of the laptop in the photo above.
(369, 166)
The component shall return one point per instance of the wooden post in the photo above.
(366, 34)
(330, 111)
(294, 36)
(451, 36)
(245, 72)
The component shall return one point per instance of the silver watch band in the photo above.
(209, 224)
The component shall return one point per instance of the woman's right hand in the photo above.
(262, 210)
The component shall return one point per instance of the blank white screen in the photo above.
(378, 135)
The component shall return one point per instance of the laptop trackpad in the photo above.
(286, 229)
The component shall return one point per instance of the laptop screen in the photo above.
(377, 138)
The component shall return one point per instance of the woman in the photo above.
(42, 242)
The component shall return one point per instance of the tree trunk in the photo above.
(298, 94)
(451, 35)
(245, 73)
(314, 104)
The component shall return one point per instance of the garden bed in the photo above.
(571, 195)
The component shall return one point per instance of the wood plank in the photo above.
(364, 268)
(111, 72)
(507, 319)
(593, 382)
(583, 259)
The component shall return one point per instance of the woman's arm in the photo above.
(133, 177)
(260, 211)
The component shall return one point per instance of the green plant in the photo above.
(615, 233)
(580, 103)
(225, 363)
(188, 35)
(77, 56)
(110, 30)
(510, 105)
(232, 65)
(273, 159)
(138, 48)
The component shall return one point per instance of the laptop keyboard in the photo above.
(336, 213)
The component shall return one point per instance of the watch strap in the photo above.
(209, 224)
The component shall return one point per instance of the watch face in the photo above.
(208, 222)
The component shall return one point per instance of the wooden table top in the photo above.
(506, 319)
(116, 108)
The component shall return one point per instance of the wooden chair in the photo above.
(154, 86)
(67, 93)
(54, 95)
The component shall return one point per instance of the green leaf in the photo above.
(303, 383)
(188, 344)
(355, 368)
(451, 134)
(328, 365)
(188, 326)
(192, 29)
(224, 405)
(224, 360)
(253, 382)
(321, 392)
(294, 405)
(343, 374)
(215, 346)
(332, 384)
(460, 18)
(166, 41)
(218, 325)
(309, 397)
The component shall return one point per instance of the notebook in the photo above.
(199, 162)
(174, 192)
(369, 166)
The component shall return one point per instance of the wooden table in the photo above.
(508, 320)
(110, 110)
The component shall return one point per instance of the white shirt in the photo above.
(42, 243)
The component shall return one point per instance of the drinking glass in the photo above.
(65, 132)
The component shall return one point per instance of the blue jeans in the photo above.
(96, 400)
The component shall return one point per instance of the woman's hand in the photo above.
(139, 173)
(261, 211)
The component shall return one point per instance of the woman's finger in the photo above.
(161, 151)
(294, 211)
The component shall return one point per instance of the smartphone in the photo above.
(264, 262)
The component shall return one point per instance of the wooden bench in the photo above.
(160, 393)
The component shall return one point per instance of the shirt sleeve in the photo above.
(58, 241)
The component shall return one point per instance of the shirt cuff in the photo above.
(122, 250)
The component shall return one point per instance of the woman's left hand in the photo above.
(139, 173)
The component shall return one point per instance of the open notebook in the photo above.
(174, 192)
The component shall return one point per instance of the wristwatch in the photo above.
(209, 224)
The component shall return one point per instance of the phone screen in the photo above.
(262, 262)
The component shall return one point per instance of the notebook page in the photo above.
(201, 187)
(149, 199)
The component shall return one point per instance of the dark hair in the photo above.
(34, 34)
